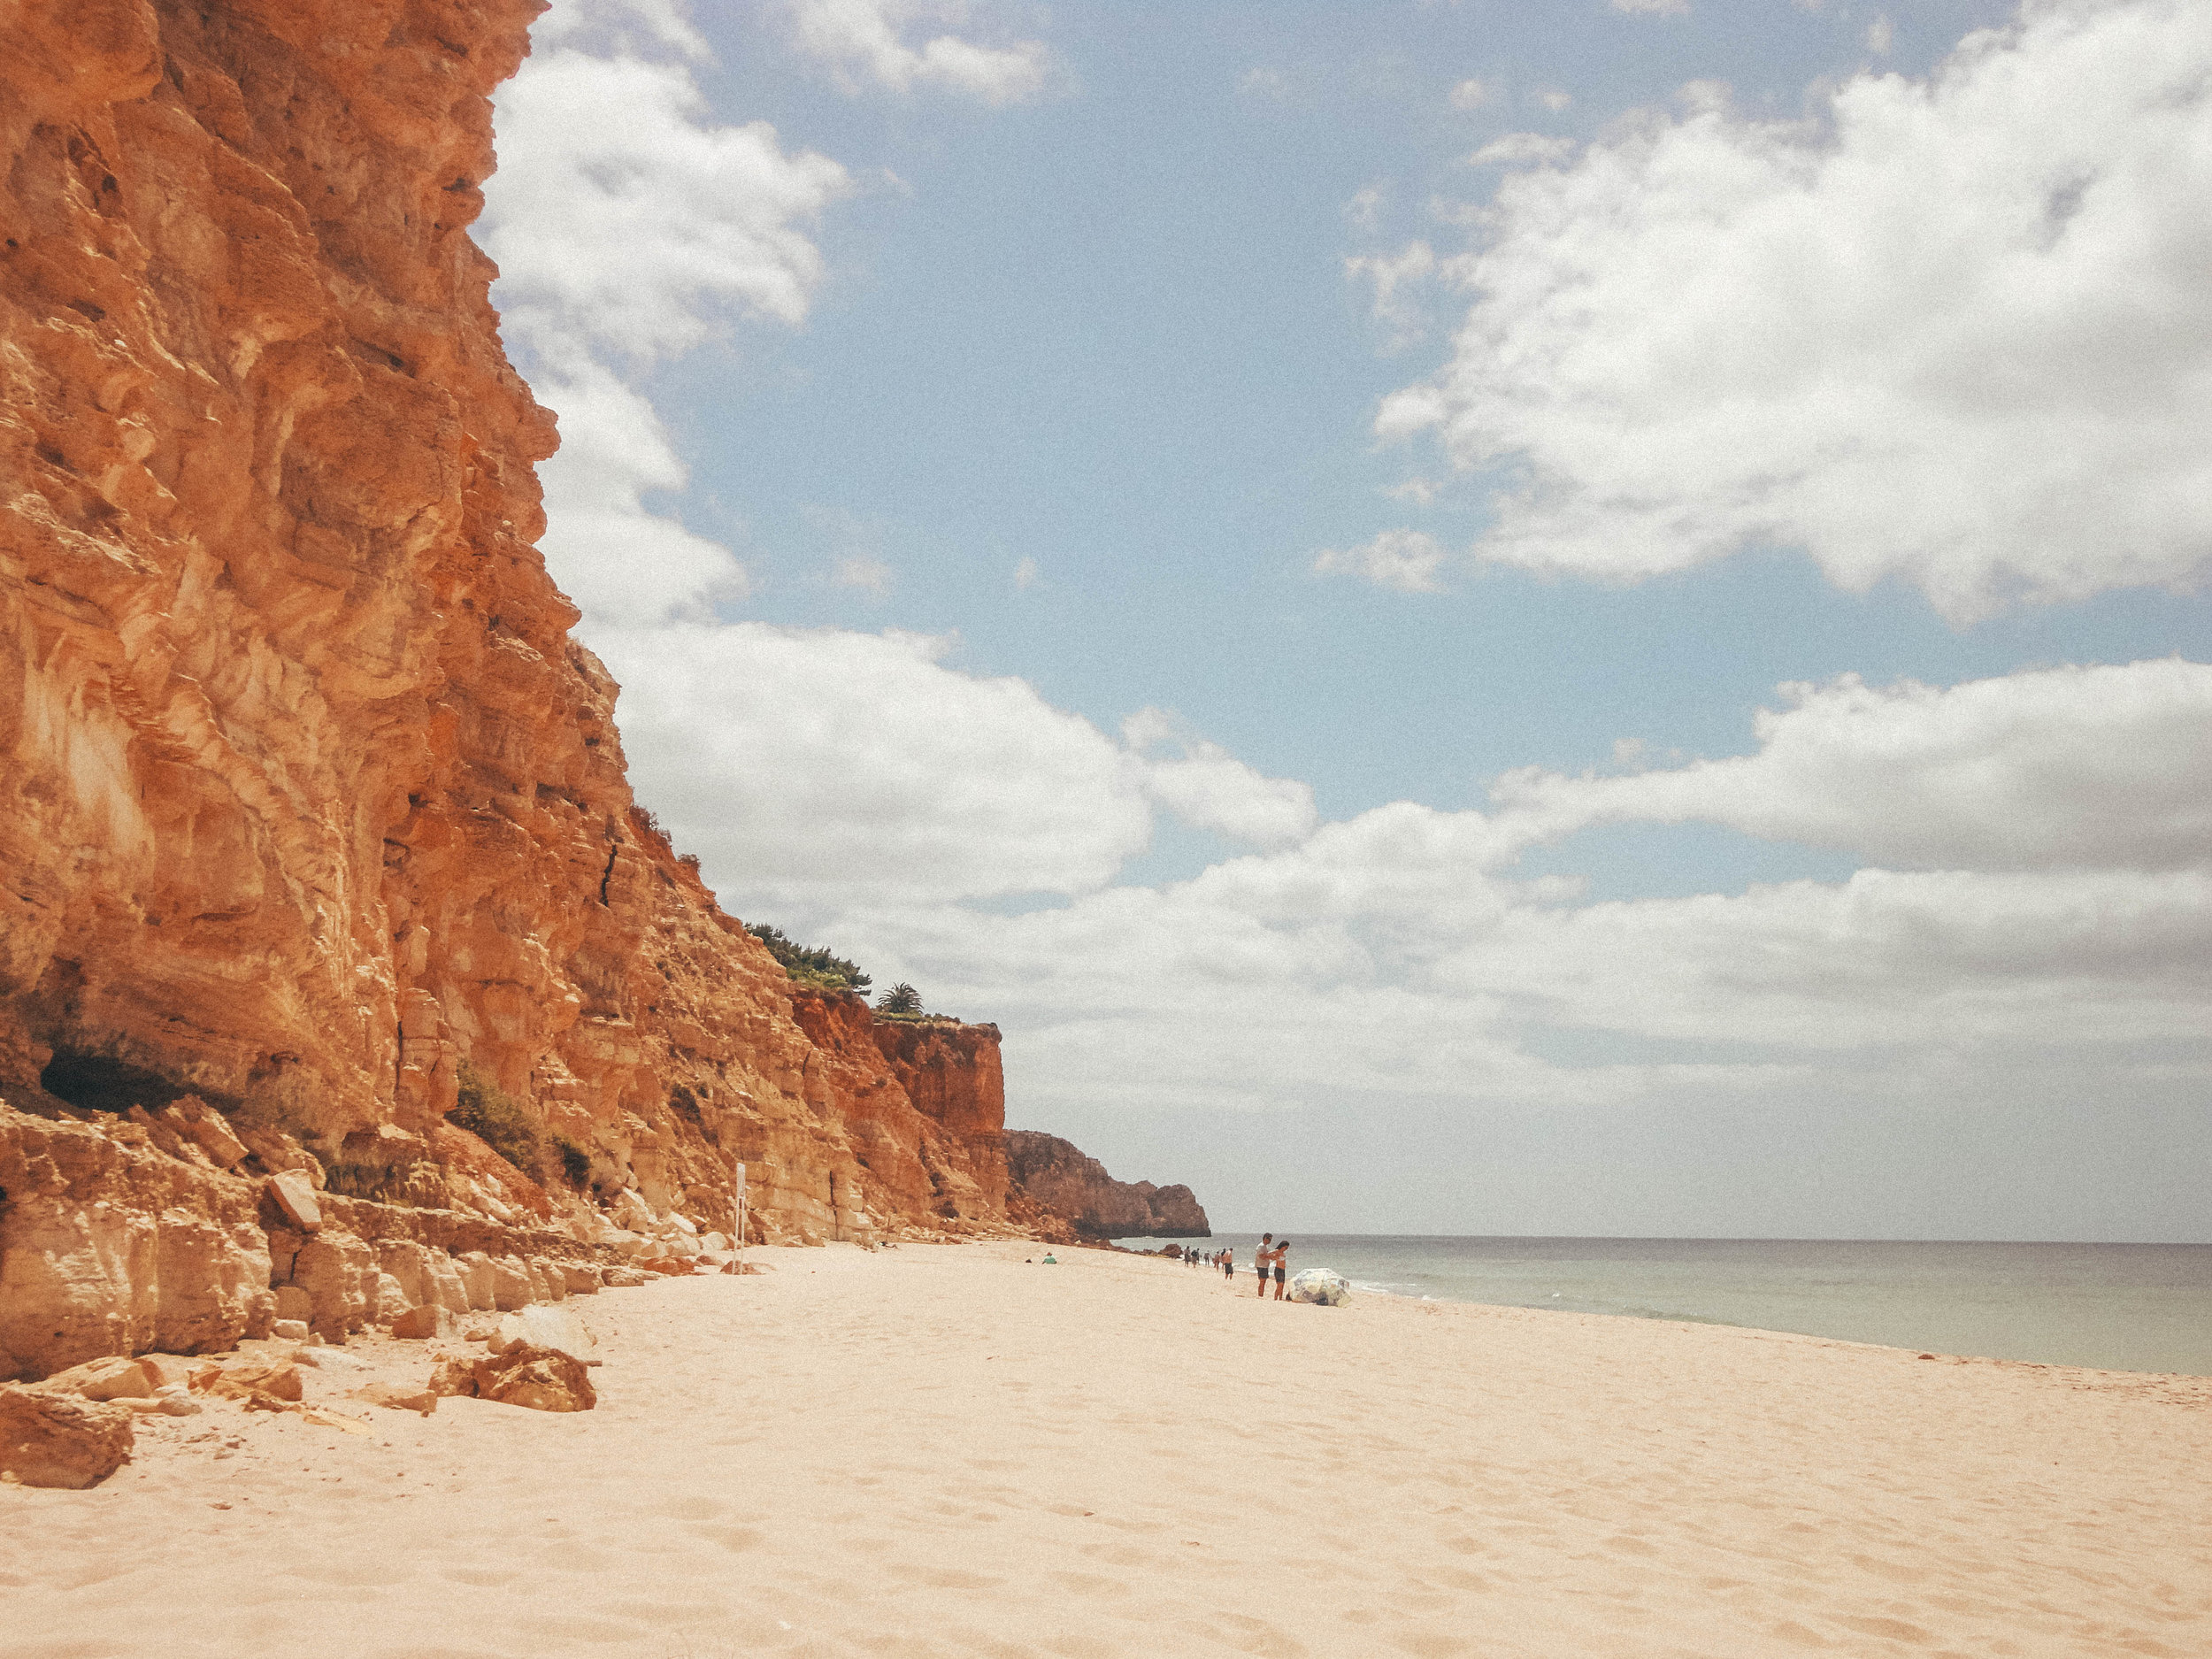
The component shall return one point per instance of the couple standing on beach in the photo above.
(1273, 1255)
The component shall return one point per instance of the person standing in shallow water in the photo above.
(1264, 1259)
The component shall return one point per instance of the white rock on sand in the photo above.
(941, 1451)
(555, 1328)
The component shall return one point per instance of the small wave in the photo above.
(1678, 1319)
(1632, 1312)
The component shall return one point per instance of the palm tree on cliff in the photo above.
(900, 999)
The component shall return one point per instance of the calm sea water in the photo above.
(2120, 1306)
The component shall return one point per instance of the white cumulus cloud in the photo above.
(1954, 330)
(1208, 787)
(623, 214)
(1408, 561)
(1401, 283)
(2097, 767)
(629, 223)
(810, 768)
(889, 43)
(1521, 150)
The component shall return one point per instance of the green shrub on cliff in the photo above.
(498, 1120)
(809, 964)
(575, 1162)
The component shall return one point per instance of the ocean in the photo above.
(2117, 1306)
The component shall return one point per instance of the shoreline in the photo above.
(2139, 1307)
(947, 1449)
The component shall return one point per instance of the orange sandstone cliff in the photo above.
(310, 803)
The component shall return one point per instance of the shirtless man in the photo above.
(1229, 1265)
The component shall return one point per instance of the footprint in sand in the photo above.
(736, 1539)
(1892, 1629)
(692, 1509)
(483, 1577)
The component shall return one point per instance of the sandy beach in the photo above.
(949, 1450)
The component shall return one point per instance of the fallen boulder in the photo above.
(553, 1328)
(295, 1199)
(398, 1397)
(112, 1378)
(60, 1440)
(172, 1399)
(420, 1323)
(541, 1378)
(168, 1369)
(264, 1387)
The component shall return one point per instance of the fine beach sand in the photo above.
(945, 1450)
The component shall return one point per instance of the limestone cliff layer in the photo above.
(1061, 1182)
(307, 795)
(314, 825)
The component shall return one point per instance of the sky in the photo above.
(1557, 619)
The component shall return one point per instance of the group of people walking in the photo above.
(1273, 1258)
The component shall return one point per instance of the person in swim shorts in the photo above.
(1266, 1257)
(1229, 1265)
(1282, 1253)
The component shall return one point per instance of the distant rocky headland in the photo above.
(342, 978)
(1061, 1180)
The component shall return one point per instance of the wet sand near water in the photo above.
(946, 1451)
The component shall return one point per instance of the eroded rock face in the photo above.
(111, 1244)
(924, 1105)
(307, 796)
(111, 1247)
(1061, 1180)
(306, 792)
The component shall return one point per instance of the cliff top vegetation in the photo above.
(809, 964)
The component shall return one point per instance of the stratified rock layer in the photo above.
(1060, 1182)
(311, 809)
(306, 794)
